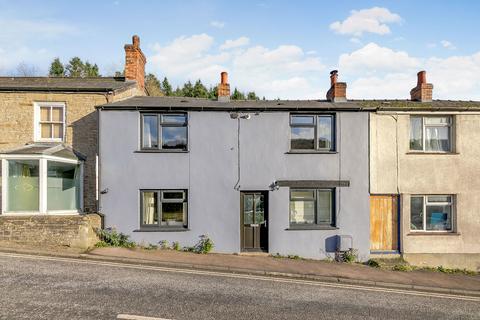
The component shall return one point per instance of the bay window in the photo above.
(41, 184)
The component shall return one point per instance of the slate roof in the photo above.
(198, 104)
(53, 149)
(97, 84)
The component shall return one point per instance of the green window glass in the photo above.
(63, 183)
(23, 185)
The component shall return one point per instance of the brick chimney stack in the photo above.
(423, 91)
(135, 63)
(223, 88)
(338, 90)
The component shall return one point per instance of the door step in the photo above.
(385, 255)
(254, 253)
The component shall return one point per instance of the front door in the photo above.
(254, 221)
(384, 223)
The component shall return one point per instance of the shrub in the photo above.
(163, 244)
(109, 237)
(350, 256)
(373, 263)
(402, 267)
(204, 245)
(176, 245)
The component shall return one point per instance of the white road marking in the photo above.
(134, 317)
(245, 276)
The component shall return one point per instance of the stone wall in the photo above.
(76, 231)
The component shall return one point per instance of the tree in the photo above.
(26, 70)
(187, 89)
(56, 68)
(237, 95)
(178, 92)
(167, 87)
(75, 67)
(90, 70)
(213, 93)
(119, 74)
(252, 96)
(199, 90)
(153, 85)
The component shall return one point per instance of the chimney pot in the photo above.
(338, 90)
(136, 41)
(421, 77)
(423, 91)
(223, 89)
(224, 77)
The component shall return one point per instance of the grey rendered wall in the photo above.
(209, 172)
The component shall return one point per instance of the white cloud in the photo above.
(372, 58)
(217, 24)
(373, 20)
(240, 42)
(285, 71)
(448, 45)
(391, 74)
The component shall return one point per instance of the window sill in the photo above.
(162, 230)
(161, 151)
(310, 152)
(311, 228)
(432, 153)
(433, 233)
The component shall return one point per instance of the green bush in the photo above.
(373, 263)
(176, 245)
(163, 244)
(402, 267)
(204, 245)
(350, 256)
(109, 237)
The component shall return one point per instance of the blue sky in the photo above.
(277, 48)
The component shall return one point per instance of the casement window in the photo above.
(431, 133)
(41, 186)
(49, 120)
(312, 207)
(312, 132)
(431, 213)
(163, 209)
(164, 132)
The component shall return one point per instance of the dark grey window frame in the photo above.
(316, 148)
(316, 225)
(162, 124)
(159, 226)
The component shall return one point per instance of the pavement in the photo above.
(51, 287)
(333, 272)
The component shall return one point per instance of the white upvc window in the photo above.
(41, 184)
(431, 133)
(432, 213)
(49, 121)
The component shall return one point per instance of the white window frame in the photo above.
(424, 126)
(427, 203)
(37, 133)
(43, 187)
